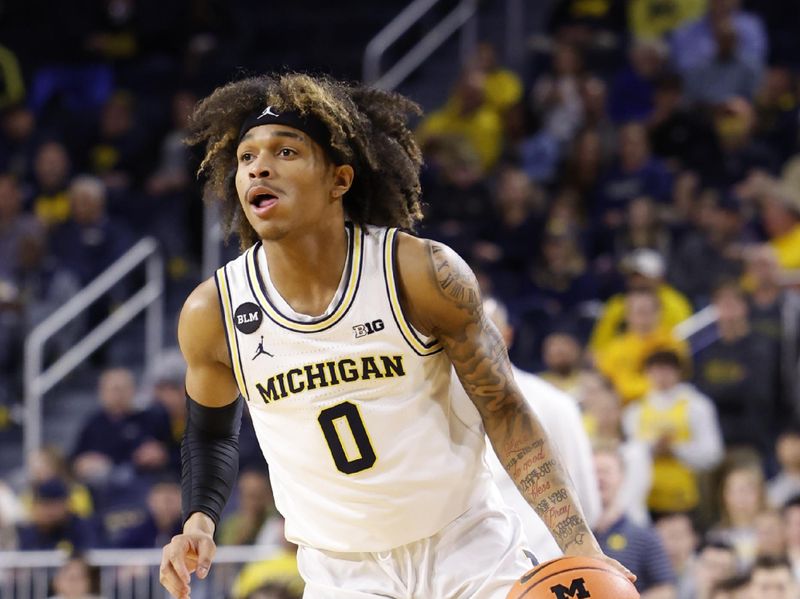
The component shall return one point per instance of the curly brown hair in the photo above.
(369, 130)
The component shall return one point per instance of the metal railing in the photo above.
(38, 381)
(124, 573)
(463, 17)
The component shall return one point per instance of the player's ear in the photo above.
(342, 180)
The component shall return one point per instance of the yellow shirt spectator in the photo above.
(656, 18)
(787, 247)
(281, 568)
(622, 360)
(675, 308)
(468, 114)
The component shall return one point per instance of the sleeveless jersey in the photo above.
(366, 448)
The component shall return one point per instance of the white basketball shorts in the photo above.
(477, 556)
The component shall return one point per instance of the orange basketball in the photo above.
(573, 578)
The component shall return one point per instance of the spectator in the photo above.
(279, 570)
(49, 200)
(737, 372)
(693, 44)
(623, 359)
(786, 484)
(780, 215)
(642, 229)
(52, 525)
(560, 417)
(119, 154)
(48, 463)
(470, 116)
(503, 86)
(776, 105)
(562, 355)
(636, 173)
(680, 426)
(254, 521)
(727, 75)
(659, 18)
(603, 422)
(736, 587)
(716, 561)
(772, 577)
(75, 580)
(644, 270)
(679, 134)
(740, 153)
(770, 535)
(791, 525)
(162, 521)
(168, 408)
(594, 93)
(89, 241)
(712, 251)
(638, 548)
(15, 227)
(556, 96)
(680, 539)
(742, 500)
(585, 163)
(633, 86)
(559, 281)
(18, 140)
(272, 590)
(116, 434)
(517, 220)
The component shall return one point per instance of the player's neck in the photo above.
(306, 268)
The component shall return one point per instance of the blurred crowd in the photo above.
(632, 198)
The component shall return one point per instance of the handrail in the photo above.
(37, 381)
(452, 22)
(696, 323)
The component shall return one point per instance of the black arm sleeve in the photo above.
(209, 457)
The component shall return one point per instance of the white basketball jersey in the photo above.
(366, 448)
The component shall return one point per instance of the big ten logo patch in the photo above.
(362, 330)
(576, 590)
(247, 318)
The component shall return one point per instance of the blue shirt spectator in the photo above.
(693, 45)
(726, 75)
(52, 525)
(637, 173)
(637, 548)
(162, 520)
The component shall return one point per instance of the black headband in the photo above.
(307, 123)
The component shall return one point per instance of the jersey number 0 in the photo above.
(349, 412)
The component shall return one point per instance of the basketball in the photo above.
(573, 578)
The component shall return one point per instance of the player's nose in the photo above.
(259, 168)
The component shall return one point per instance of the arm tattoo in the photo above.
(479, 355)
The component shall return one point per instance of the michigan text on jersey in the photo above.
(324, 374)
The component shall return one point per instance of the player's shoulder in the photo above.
(426, 264)
(200, 325)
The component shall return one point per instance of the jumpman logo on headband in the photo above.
(268, 112)
(260, 349)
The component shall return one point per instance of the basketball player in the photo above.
(377, 471)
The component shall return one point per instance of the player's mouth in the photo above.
(262, 199)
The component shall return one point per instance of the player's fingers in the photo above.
(205, 553)
(170, 580)
(176, 555)
(631, 576)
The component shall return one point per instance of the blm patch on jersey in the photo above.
(247, 317)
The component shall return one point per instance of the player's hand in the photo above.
(189, 552)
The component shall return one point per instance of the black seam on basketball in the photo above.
(535, 584)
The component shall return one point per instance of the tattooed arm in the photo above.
(441, 297)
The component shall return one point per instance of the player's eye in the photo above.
(286, 152)
(245, 157)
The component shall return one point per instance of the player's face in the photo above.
(283, 181)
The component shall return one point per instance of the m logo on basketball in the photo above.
(576, 589)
